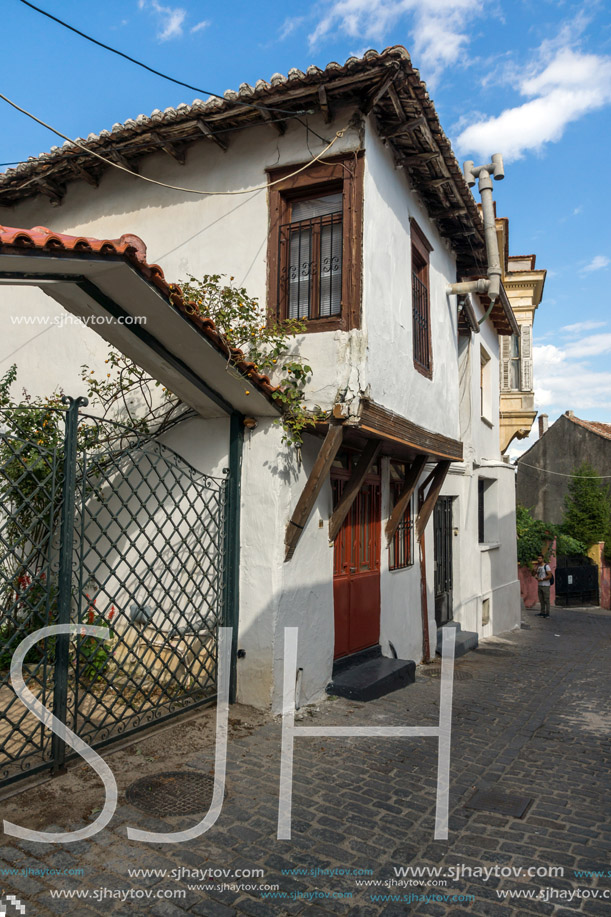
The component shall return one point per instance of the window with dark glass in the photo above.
(421, 312)
(514, 363)
(481, 510)
(314, 250)
(310, 257)
(400, 549)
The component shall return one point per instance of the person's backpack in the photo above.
(551, 579)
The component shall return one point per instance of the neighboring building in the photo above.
(524, 286)
(544, 471)
(351, 544)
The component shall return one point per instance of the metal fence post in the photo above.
(231, 589)
(64, 584)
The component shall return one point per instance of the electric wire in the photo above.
(164, 76)
(162, 184)
(562, 474)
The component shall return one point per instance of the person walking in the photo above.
(544, 577)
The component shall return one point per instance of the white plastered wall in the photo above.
(483, 571)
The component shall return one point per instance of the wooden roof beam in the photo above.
(406, 127)
(312, 488)
(366, 460)
(210, 134)
(411, 479)
(53, 191)
(396, 102)
(84, 174)
(419, 159)
(379, 91)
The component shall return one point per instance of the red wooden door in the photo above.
(356, 573)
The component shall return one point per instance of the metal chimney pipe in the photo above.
(492, 286)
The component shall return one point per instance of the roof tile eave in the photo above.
(130, 246)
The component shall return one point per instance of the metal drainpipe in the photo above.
(492, 286)
(232, 541)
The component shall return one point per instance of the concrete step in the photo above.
(466, 640)
(371, 678)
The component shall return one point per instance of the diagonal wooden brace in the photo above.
(366, 460)
(411, 480)
(313, 485)
(437, 479)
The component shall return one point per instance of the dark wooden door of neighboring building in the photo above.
(356, 572)
(442, 528)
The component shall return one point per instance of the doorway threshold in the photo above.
(367, 675)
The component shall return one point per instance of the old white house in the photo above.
(400, 516)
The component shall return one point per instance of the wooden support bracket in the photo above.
(169, 148)
(324, 103)
(437, 478)
(313, 485)
(366, 460)
(54, 192)
(411, 480)
(207, 132)
(118, 157)
(279, 125)
(85, 175)
(377, 94)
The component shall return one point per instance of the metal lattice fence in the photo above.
(105, 526)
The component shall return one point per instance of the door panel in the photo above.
(442, 528)
(356, 580)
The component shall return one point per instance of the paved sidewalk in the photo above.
(531, 716)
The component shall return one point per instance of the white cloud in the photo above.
(566, 380)
(592, 346)
(578, 327)
(438, 29)
(170, 19)
(289, 25)
(596, 264)
(199, 26)
(562, 84)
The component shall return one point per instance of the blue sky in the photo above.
(528, 78)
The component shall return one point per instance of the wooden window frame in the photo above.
(421, 248)
(339, 173)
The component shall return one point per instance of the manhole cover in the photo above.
(499, 802)
(434, 671)
(172, 793)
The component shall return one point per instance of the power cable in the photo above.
(562, 474)
(162, 184)
(164, 76)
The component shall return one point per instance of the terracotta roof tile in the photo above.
(601, 429)
(133, 249)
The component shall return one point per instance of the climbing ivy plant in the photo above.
(241, 322)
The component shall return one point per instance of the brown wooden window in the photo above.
(314, 251)
(421, 310)
(401, 548)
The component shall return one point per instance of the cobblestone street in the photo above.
(530, 717)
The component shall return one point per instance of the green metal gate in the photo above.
(103, 524)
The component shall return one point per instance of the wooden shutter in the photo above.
(526, 359)
(504, 361)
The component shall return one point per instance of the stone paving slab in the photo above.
(532, 721)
